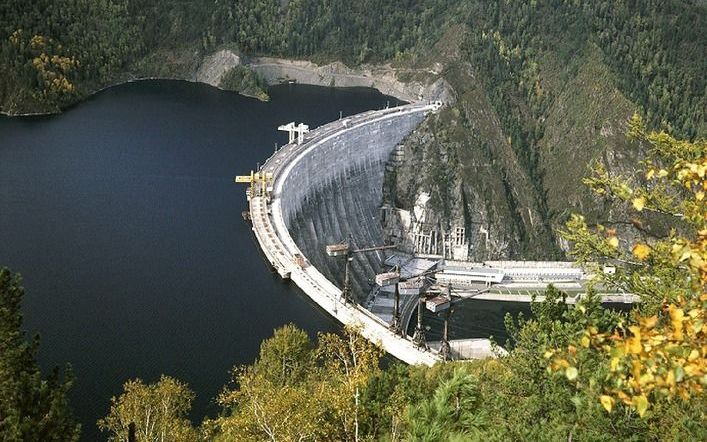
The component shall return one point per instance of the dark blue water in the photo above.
(122, 216)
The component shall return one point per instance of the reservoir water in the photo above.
(122, 216)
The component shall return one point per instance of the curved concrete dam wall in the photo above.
(336, 190)
(356, 150)
(349, 206)
(324, 189)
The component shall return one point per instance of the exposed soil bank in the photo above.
(424, 84)
(210, 69)
(429, 86)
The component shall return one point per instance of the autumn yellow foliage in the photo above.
(662, 349)
(54, 69)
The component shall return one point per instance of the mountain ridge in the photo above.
(536, 91)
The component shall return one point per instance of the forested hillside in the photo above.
(654, 48)
(542, 87)
(545, 88)
(542, 90)
(106, 40)
(54, 52)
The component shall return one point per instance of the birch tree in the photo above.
(158, 411)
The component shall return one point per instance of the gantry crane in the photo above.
(260, 183)
(440, 303)
(444, 303)
(394, 277)
(346, 249)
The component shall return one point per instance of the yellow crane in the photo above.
(260, 183)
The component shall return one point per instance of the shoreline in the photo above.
(112, 85)
(383, 78)
(280, 70)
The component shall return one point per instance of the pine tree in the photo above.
(31, 408)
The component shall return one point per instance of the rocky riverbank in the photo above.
(420, 85)
(404, 84)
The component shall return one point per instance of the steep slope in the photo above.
(474, 178)
(542, 88)
(508, 209)
(537, 103)
(585, 124)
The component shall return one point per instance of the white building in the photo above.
(465, 276)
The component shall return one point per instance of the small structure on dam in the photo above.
(328, 187)
(295, 132)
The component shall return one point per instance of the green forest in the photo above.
(540, 87)
(655, 48)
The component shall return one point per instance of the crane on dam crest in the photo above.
(260, 183)
(292, 130)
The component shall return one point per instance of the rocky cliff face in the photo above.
(464, 159)
(461, 158)
(421, 84)
(214, 67)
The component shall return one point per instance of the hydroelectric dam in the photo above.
(323, 187)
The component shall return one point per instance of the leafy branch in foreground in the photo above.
(298, 391)
(661, 351)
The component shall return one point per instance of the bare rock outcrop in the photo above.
(214, 67)
(424, 84)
